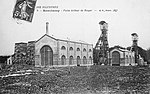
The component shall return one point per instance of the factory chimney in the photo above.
(47, 25)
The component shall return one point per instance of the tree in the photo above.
(148, 55)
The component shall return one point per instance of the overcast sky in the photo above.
(132, 16)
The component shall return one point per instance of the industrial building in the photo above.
(56, 52)
(114, 56)
(120, 56)
(49, 51)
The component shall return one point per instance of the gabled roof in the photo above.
(46, 35)
(62, 40)
(117, 47)
(122, 49)
(31, 41)
(21, 43)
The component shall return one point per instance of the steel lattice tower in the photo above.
(135, 46)
(102, 46)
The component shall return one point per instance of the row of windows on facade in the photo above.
(84, 57)
(63, 60)
(71, 48)
(128, 56)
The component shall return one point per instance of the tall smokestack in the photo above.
(47, 31)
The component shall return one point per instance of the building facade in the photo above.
(20, 53)
(50, 51)
(30, 55)
(120, 56)
(24, 53)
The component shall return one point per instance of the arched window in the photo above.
(130, 59)
(84, 50)
(63, 48)
(127, 58)
(84, 60)
(90, 59)
(63, 59)
(70, 60)
(78, 49)
(78, 60)
(71, 49)
(90, 50)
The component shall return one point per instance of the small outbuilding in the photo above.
(119, 56)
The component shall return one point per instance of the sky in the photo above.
(131, 16)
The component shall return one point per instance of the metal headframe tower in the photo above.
(135, 46)
(102, 44)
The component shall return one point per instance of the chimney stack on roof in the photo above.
(47, 25)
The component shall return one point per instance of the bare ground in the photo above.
(77, 80)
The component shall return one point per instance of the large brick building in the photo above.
(56, 52)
